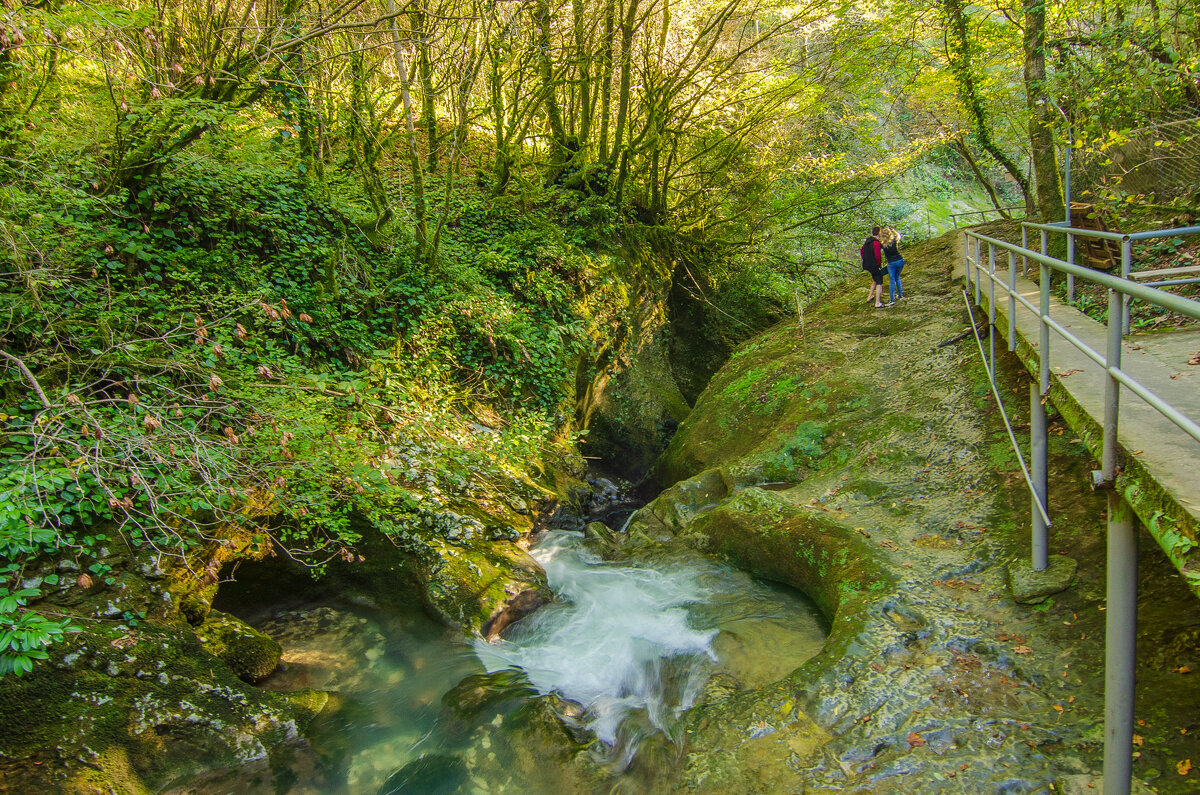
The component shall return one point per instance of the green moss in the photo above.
(251, 655)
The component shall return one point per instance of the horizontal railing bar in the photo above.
(1082, 346)
(1059, 227)
(1171, 282)
(1179, 232)
(1175, 303)
(1150, 274)
(1166, 409)
(1182, 421)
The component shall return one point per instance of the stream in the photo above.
(618, 657)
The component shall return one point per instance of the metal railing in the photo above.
(984, 213)
(1126, 242)
(1121, 593)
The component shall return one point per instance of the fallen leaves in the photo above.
(961, 584)
(1026, 650)
(1183, 669)
(1139, 740)
(1184, 767)
(1195, 358)
(1065, 373)
(915, 740)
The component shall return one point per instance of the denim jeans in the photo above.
(894, 285)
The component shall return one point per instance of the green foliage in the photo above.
(25, 635)
(227, 354)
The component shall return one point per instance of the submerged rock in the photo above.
(439, 774)
(323, 648)
(250, 654)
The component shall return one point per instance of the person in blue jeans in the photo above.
(890, 239)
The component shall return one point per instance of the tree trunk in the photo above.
(559, 151)
(583, 53)
(420, 21)
(421, 229)
(1041, 114)
(619, 151)
(958, 51)
(605, 90)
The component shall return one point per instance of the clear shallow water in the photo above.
(626, 650)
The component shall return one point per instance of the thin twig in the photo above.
(33, 382)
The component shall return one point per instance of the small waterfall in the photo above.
(632, 642)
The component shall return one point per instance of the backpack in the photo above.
(867, 252)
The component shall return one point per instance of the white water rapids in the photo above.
(633, 642)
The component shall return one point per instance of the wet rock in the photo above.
(518, 607)
(600, 532)
(1031, 587)
(194, 608)
(474, 694)
(250, 654)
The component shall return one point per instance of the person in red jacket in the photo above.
(872, 260)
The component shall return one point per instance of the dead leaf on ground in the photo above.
(915, 740)
(1184, 767)
(1065, 373)
(1139, 740)
(1024, 650)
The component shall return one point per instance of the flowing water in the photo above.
(623, 652)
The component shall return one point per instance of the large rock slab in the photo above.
(1030, 587)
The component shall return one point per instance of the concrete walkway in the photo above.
(1161, 463)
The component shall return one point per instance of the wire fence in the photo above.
(1161, 159)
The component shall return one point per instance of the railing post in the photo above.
(1071, 260)
(1120, 646)
(1126, 262)
(1044, 272)
(1112, 390)
(1038, 427)
(992, 308)
(1044, 331)
(1012, 301)
(978, 267)
(1024, 245)
(1040, 542)
(967, 264)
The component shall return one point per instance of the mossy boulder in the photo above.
(251, 655)
(143, 710)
